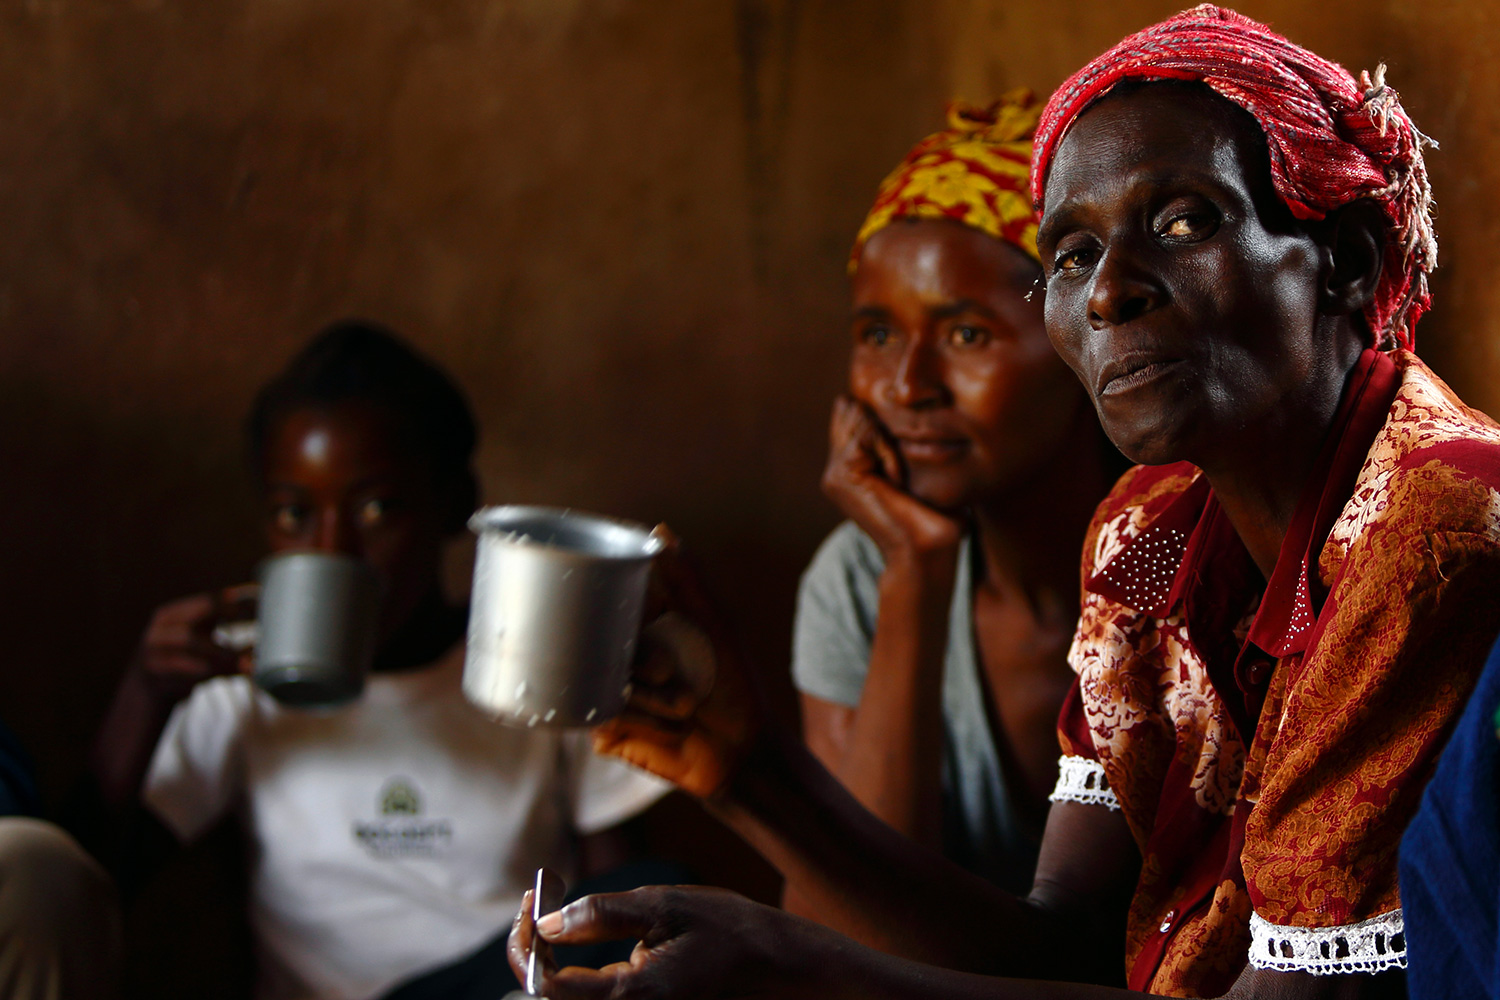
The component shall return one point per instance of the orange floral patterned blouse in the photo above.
(1267, 741)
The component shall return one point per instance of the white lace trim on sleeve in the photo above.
(1082, 780)
(1372, 945)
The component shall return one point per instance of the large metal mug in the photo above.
(317, 627)
(555, 612)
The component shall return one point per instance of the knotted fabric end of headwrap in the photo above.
(1332, 139)
(975, 172)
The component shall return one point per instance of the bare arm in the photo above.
(176, 653)
(706, 944)
(888, 750)
(828, 729)
(894, 895)
(875, 976)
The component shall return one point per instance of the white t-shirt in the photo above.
(391, 836)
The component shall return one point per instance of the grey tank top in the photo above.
(837, 606)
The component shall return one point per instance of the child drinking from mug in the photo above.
(393, 836)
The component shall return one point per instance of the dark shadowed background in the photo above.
(622, 224)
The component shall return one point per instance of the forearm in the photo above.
(872, 883)
(835, 970)
(105, 812)
(876, 976)
(892, 759)
(890, 756)
(122, 751)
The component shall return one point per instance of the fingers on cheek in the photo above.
(859, 436)
(854, 435)
(844, 413)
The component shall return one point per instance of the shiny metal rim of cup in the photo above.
(339, 557)
(497, 522)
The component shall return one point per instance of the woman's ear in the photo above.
(1354, 244)
(463, 498)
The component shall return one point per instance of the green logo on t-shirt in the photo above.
(398, 798)
(399, 831)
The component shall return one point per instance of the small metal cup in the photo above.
(555, 612)
(317, 627)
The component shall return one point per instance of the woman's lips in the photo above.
(1123, 377)
(931, 449)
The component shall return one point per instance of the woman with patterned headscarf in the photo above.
(967, 460)
(1285, 605)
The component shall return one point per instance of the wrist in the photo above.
(157, 692)
(763, 757)
(822, 963)
(920, 579)
(924, 551)
(918, 548)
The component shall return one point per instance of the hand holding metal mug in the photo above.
(182, 644)
(555, 639)
(694, 710)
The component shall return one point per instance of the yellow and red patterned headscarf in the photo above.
(976, 171)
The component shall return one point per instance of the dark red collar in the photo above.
(1294, 594)
(1189, 559)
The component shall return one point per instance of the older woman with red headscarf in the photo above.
(1285, 605)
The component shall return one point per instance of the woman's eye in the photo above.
(289, 518)
(1188, 226)
(970, 335)
(1073, 260)
(876, 335)
(373, 511)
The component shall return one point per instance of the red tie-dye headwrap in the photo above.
(974, 172)
(1332, 139)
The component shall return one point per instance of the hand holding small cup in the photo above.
(693, 712)
(179, 649)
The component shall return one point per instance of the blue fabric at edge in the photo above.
(1450, 861)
